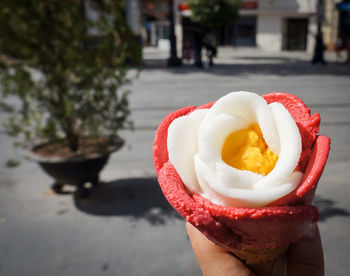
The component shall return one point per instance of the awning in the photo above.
(343, 6)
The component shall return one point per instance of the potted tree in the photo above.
(63, 65)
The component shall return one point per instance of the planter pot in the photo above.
(76, 171)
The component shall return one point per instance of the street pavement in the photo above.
(126, 227)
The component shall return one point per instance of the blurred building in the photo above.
(343, 26)
(330, 23)
(150, 20)
(271, 25)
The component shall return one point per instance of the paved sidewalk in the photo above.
(126, 227)
(230, 55)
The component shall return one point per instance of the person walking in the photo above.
(198, 41)
(210, 45)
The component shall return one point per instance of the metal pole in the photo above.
(319, 46)
(320, 15)
(173, 59)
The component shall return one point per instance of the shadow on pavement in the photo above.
(327, 209)
(133, 197)
(290, 67)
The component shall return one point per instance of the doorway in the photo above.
(296, 34)
(245, 31)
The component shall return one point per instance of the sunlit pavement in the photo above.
(126, 227)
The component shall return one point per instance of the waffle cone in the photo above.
(253, 256)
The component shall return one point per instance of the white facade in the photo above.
(178, 27)
(287, 6)
(272, 20)
(133, 15)
(272, 16)
(269, 32)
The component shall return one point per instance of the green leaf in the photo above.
(214, 13)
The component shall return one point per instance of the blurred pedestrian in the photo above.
(210, 45)
(198, 40)
(339, 46)
(187, 51)
(319, 50)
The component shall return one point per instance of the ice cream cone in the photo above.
(252, 256)
(274, 226)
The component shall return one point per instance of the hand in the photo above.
(304, 257)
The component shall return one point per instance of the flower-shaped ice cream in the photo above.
(192, 171)
(241, 152)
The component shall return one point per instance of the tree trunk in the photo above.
(73, 141)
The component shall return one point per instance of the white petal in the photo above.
(268, 127)
(205, 174)
(252, 198)
(182, 146)
(212, 136)
(290, 149)
(253, 109)
(228, 177)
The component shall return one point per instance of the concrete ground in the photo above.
(126, 227)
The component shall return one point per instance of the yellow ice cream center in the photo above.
(246, 149)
